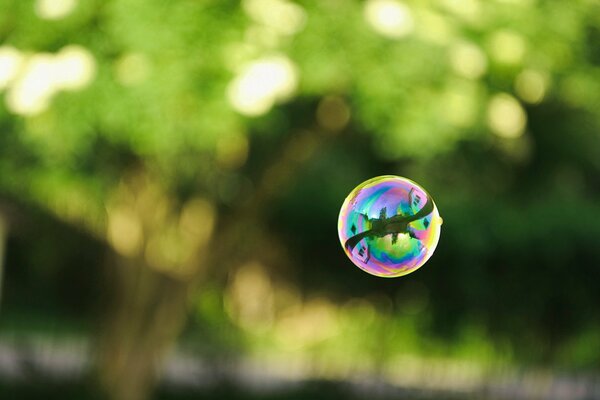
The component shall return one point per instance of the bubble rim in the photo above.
(371, 182)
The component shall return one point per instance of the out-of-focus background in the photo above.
(171, 175)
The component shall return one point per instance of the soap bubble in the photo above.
(389, 226)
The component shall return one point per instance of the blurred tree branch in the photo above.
(151, 295)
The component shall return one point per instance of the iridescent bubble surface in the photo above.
(389, 226)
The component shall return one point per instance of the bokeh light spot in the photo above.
(434, 27)
(132, 69)
(333, 113)
(507, 47)
(506, 116)
(532, 85)
(468, 60)
(389, 18)
(74, 68)
(124, 231)
(31, 93)
(197, 221)
(261, 84)
(283, 16)
(10, 62)
(42, 75)
(468, 10)
(314, 322)
(54, 9)
(250, 298)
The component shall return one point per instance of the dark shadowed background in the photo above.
(171, 175)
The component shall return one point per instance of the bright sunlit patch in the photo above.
(261, 84)
(124, 231)
(507, 47)
(74, 68)
(283, 16)
(531, 85)
(196, 222)
(10, 61)
(389, 18)
(54, 9)
(42, 75)
(468, 60)
(506, 116)
(31, 93)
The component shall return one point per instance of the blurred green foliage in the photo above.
(271, 111)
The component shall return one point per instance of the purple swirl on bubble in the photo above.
(389, 226)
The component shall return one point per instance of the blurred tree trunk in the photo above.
(145, 318)
(152, 286)
(3, 238)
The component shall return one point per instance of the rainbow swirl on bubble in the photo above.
(389, 226)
